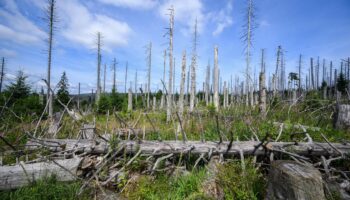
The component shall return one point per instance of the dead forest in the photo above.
(282, 135)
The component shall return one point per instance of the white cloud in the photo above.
(81, 25)
(186, 12)
(16, 27)
(223, 18)
(7, 52)
(134, 4)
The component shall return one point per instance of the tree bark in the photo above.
(12, 177)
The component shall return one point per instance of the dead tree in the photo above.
(299, 81)
(129, 100)
(79, 96)
(2, 73)
(275, 76)
(114, 74)
(193, 69)
(182, 84)
(149, 63)
(170, 87)
(98, 89)
(216, 79)
(135, 87)
(51, 19)
(247, 37)
(162, 101)
(104, 79)
(207, 82)
(312, 73)
(262, 87)
(126, 76)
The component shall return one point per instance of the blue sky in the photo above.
(311, 28)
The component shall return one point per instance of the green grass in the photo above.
(167, 187)
(49, 189)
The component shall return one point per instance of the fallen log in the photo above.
(195, 147)
(12, 177)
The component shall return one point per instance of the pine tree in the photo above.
(62, 93)
(19, 89)
(342, 83)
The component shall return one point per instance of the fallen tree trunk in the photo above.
(195, 147)
(12, 177)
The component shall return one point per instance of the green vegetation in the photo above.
(46, 189)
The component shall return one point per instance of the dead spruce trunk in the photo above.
(216, 79)
(291, 180)
(342, 117)
(195, 147)
(12, 177)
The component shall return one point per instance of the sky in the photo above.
(313, 28)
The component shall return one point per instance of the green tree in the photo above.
(342, 83)
(62, 93)
(18, 89)
(103, 104)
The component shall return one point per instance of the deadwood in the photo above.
(195, 147)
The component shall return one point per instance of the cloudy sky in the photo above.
(311, 28)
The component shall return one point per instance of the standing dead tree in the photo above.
(98, 89)
(162, 102)
(193, 69)
(51, 19)
(104, 79)
(114, 67)
(207, 82)
(247, 38)
(216, 80)
(126, 76)
(299, 67)
(149, 63)
(170, 87)
(262, 87)
(182, 84)
(2, 73)
(275, 76)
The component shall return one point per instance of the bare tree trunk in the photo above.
(299, 84)
(262, 87)
(188, 87)
(275, 76)
(126, 76)
(149, 58)
(104, 79)
(312, 73)
(225, 95)
(135, 87)
(248, 39)
(154, 105)
(2, 73)
(79, 96)
(182, 84)
(193, 69)
(171, 28)
(51, 21)
(162, 102)
(216, 79)
(207, 82)
(130, 100)
(114, 75)
(98, 89)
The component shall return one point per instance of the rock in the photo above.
(342, 117)
(291, 180)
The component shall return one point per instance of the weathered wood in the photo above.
(342, 117)
(195, 147)
(292, 180)
(12, 177)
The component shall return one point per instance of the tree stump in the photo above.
(291, 180)
(342, 117)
